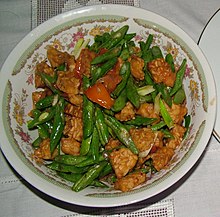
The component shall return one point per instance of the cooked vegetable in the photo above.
(179, 78)
(121, 133)
(58, 125)
(89, 176)
(99, 94)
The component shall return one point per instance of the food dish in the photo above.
(209, 43)
(114, 108)
(61, 31)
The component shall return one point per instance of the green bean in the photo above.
(101, 126)
(49, 125)
(95, 145)
(72, 177)
(70, 159)
(66, 168)
(103, 69)
(179, 96)
(132, 93)
(142, 46)
(147, 56)
(158, 126)
(58, 125)
(165, 94)
(141, 121)
(99, 41)
(108, 112)
(125, 73)
(88, 117)
(51, 79)
(145, 46)
(129, 36)
(125, 54)
(90, 161)
(88, 112)
(170, 61)
(121, 132)
(85, 145)
(107, 169)
(149, 42)
(42, 118)
(46, 102)
(166, 116)
(49, 83)
(147, 98)
(102, 38)
(43, 131)
(89, 176)
(36, 143)
(36, 113)
(149, 81)
(179, 78)
(120, 102)
(157, 53)
(116, 37)
(61, 67)
(97, 183)
(115, 52)
(167, 134)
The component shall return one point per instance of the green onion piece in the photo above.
(142, 91)
(165, 114)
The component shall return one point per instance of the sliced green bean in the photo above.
(70, 159)
(58, 125)
(158, 126)
(165, 93)
(170, 61)
(132, 93)
(95, 145)
(115, 52)
(36, 143)
(48, 83)
(141, 121)
(102, 70)
(179, 78)
(42, 118)
(90, 161)
(156, 51)
(43, 131)
(179, 96)
(47, 102)
(120, 102)
(121, 132)
(89, 176)
(125, 73)
(101, 126)
(72, 177)
(85, 145)
(66, 168)
(167, 134)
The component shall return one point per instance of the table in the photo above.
(196, 194)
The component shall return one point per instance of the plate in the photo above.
(62, 32)
(210, 45)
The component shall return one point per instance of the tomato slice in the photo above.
(99, 94)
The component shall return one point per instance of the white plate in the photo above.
(210, 45)
(61, 31)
